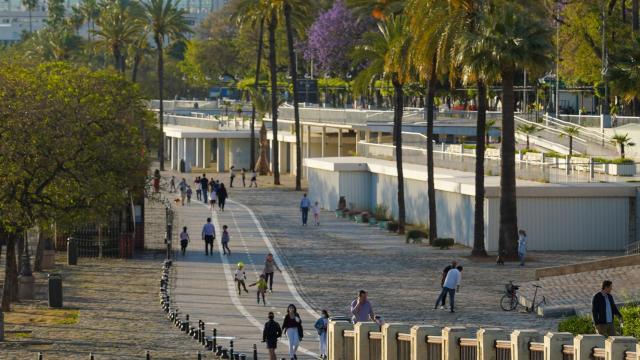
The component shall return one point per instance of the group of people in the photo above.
(305, 207)
(208, 235)
(243, 175)
(208, 191)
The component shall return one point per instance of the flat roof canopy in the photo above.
(187, 132)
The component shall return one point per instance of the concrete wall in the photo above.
(238, 154)
(325, 189)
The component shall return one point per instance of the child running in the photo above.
(225, 240)
(184, 240)
(262, 288)
(240, 278)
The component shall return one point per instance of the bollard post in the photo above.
(255, 352)
(90, 356)
(148, 355)
(243, 356)
(199, 355)
(39, 356)
(215, 339)
(231, 349)
(236, 356)
(1, 325)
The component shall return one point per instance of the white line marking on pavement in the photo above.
(231, 283)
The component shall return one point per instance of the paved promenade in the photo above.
(205, 289)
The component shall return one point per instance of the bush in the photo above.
(621, 161)
(577, 325)
(380, 212)
(553, 154)
(392, 226)
(416, 236)
(631, 316)
(443, 243)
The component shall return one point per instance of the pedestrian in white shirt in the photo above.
(451, 284)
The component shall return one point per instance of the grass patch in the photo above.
(42, 316)
(18, 335)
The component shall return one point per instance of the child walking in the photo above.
(270, 335)
(262, 288)
(225, 240)
(316, 213)
(240, 278)
(189, 193)
(184, 240)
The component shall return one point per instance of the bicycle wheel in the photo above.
(509, 302)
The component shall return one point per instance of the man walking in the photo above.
(445, 271)
(232, 175)
(208, 235)
(604, 309)
(361, 309)
(305, 204)
(451, 283)
(204, 184)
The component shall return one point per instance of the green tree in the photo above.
(387, 53)
(167, 22)
(528, 130)
(90, 11)
(570, 132)
(30, 5)
(622, 140)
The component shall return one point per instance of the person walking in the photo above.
(183, 190)
(254, 179)
(322, 325)
(305, 204)
(208, 235)
(172, 184)
(270, 335)
(204, 183)
(451, 283)
(225, 240)
(222, 196)
(445, 271)
(361, 308)
(232, 175)
(244, 176)
(292, 326)
(189, 193)
(522, 245)
(240, 277)
(603, 309)
(269, 266)
(196, 183)
(261, 284)
(316, 213)
(156, 181)
(184, 240)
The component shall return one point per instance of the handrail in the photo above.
(536, 346)
(585, 130)
(558, 132)
(403, 337)
(434, 339)
(349, 333)
(375, 335)
(468, 342)
(503, 344)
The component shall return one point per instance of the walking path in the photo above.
(205, 288)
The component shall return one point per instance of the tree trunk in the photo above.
(398, 108)
(478, 226)
(635, 22)
(293, 70)
(622, 151)
(252, 125)
(37, 264)
(274, 97)
(508, 206)
(10, 290)
(134, 69)
(570, 145)
(527, 141)
(160, 93)
(117, 61)
(431, 188)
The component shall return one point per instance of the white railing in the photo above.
(594, 135)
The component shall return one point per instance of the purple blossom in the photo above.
(331, 37)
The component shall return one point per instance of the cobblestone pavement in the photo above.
(119, 315)
(576, 290)
(333, 261)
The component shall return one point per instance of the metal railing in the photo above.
(633, 248)
(598, 353)
(567, 352)
(536, 351)
(503, 350)
(468, 349)
(586, 133)
(434, 347)
(375, 345)
(349, 344)
(404, 347)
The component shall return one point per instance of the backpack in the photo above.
(320, 326)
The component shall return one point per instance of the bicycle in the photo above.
(534, 305)
(510, 299)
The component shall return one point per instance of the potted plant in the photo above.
(353, 213)
(392, 226)
(417, 235)
(380, 215)
(362, 218)
(622, 167)
(443, 243)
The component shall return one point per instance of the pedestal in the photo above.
(26, 287)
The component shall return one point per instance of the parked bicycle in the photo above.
(510, 299)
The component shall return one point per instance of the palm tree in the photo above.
(387, 53)
(570, 132)
(118, 26)
(528, 129)
(622, 141)
(30, 5)
(512, 35)
(140, 48)
(168, 21)
(261, 102)
(624, 75)
(90, 11)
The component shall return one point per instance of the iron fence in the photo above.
(404, 347)
(468, 349)
(375, 345)
(434, 347)
(349, 344)
(567, 352)
(503, 350)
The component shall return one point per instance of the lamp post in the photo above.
(605, 63)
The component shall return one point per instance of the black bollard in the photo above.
(236, 356)
(148, 355)
(199, 356)
(215, 339)
(231, 349)
(255, 352)
(219, 351)
(90, 356)
(203, 336)
(225, 354)
(243, 356)
(39, 356)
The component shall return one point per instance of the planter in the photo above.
(362, 218)
(622, 169)
(382, 224)
(358, 219)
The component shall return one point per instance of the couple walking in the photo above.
(305, 206)
(450, 283)
(291, 326)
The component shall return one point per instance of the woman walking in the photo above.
(522, 245)
(322, 325)
(292, 326)
(196, 183)
(270, 335)
(184, 240)
(269, 267)
(222, 196)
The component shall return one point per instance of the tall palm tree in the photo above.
(90, 11)
(30, 5)
(140, 48)
(118, 26)
(167, 21)
(528, 130)
(387, 53)
(512, 35)
(622, 140)
(570, 132)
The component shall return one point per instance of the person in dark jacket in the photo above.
(604, 309)
(292, 326)
(270, 335)
(222, 196)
